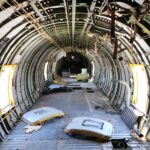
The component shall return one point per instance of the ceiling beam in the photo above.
(32, 4)
(90, 12)
(73, 20)
(67, 18)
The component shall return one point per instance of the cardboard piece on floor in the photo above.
(90, 127)
(40, 115)
(29, 129)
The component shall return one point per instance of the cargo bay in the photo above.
(84, 58)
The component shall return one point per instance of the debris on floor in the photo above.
(137, 137)
(111, 111)
(98, 107)
(90, 91)
(59, 82)
(30, 129)
(40, 115)
(119, 143)
(60, 89)
(89, 88)
(83, 76)
(75, 87)
(54, 88)
(93, 127)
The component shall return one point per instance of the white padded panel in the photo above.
(96, 127)
(41, 114)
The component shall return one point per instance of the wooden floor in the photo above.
(74, 104)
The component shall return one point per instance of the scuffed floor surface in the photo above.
(74, 104)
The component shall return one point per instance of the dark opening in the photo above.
(120, 144)
(73, 63)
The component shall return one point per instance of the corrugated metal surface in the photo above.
(13, 145)
(139, 146)
(74, 144)
(41, 145)
(129, 116)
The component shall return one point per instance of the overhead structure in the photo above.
(36, 10)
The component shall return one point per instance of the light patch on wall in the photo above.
(10, 25)
(6, 13)
(17, 59)
(6, 76)
(16, 31)
(93, 71)
(45, 71)
(140, 87)
(140, 2)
